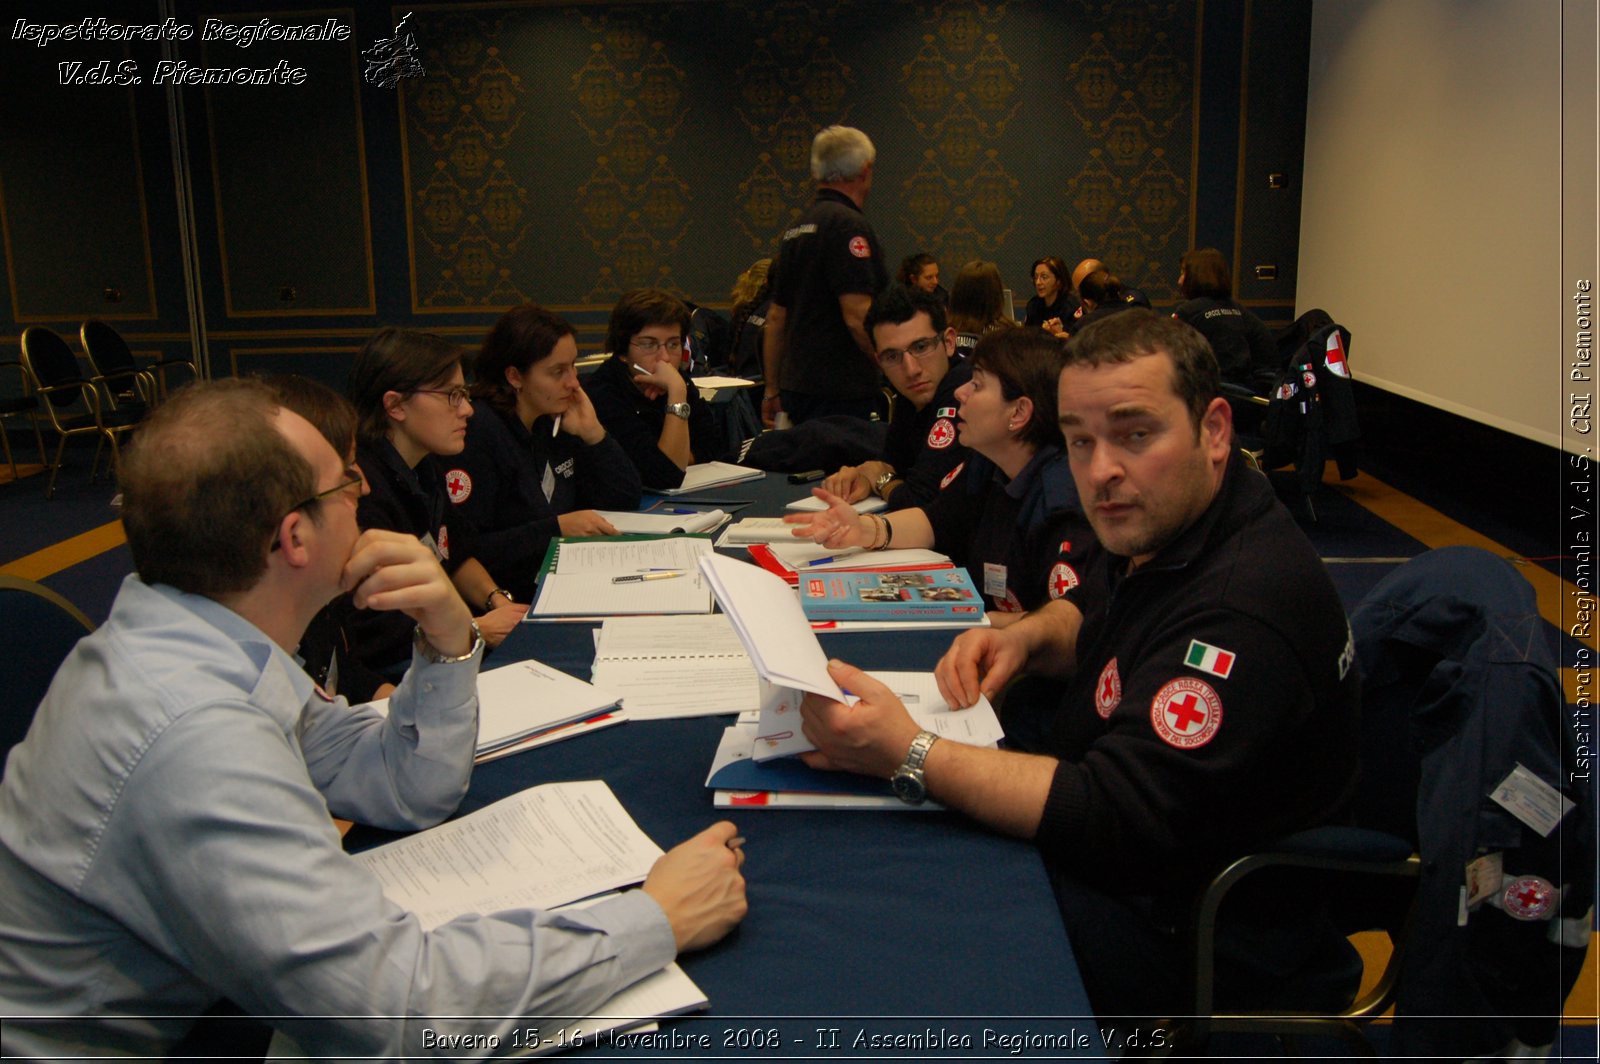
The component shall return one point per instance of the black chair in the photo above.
(41, 628)
(1459, 689)
(114, 363)
(70, 402)
(18, 401)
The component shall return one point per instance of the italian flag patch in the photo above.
(1207, 658)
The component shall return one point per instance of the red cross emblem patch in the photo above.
(458, 485)
(1009, 604)
(860, 248)
(1529, 898)
(1310, 379)
(1186, 713)
(942, 435)
(1108, 692)
(948, 477)
(1062, 579)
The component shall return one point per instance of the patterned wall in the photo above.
(566, 154)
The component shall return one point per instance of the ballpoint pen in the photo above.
(817, 561)
(555, 428)
(640, 370)
(639, 578)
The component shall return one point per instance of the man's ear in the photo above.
(1216, 430)
(291, 539)
(394, 405)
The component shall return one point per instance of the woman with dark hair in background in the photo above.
(920, 272)
(411, 407)
(1010, 514)
(1243, 344)
(977, 304)
(642, 398)
(537, 462)
(1053, 303)
(1102, 295)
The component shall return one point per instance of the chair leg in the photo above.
(55, 468)
(94, 466)
(5, 440)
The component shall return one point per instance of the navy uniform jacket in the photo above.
(922, 444)
(1245, 349)
(635, 422)
(1024, 540)
(497, 483)
(412, 501)
(1215, 704)
(830, 252)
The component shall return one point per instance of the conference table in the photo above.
(908, 933)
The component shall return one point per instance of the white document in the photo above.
(632, 522)
(757, 530)
(667, 667)
(767, 615)
(583, 581)
(517, 700)
(713, 474)
(811, 504)
(554, 735)
(712, 383)
(804, 556)
(545, 846)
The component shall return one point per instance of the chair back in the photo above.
(108, 352)
(40, 627)
(52, 363)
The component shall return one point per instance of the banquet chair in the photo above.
(18, 402)
(41, 628)
(112, 360)
(70, 402)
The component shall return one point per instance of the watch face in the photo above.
(908, 786)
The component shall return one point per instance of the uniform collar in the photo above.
(837, 197)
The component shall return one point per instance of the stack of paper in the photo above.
(545, 847)
(870, 505)
(665, 667)
(516, 702)
(790, 559)
(743, 778)
(633, 522)
(612, 577)
(712, 475)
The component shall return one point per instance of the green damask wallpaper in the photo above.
(565, 153)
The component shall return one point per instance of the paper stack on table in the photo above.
(712, 475)
(663, 667)
(604, 577)
(635, 522)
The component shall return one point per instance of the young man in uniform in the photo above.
(1210, 704)
(165, 837)
(818, 356)
(913, 345)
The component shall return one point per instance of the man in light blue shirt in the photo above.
(165, 837)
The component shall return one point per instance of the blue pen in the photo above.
(674, 510)
(817, 561)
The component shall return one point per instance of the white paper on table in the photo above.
(581, 584)
(634, 522)
(713, 382)
(810, 503)
(804, 556)
(610, 557)
(528, 696)
(662, 689)
(766, 613)
(544, 846)
(620, 638)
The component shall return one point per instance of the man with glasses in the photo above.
(642, 399)
(818, 355)
(165, 838)
(913, 346)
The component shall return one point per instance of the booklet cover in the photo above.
(909, 595)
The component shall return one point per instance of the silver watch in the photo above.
(433, 654)
(908, 782)
(679, 410)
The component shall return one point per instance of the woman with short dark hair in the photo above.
(1053, 303)
(538, 463)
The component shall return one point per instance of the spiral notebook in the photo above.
(666, 667)
(606, 576)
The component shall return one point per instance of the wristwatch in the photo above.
(908, 783)
(882, 482)
(679, 410)
(433, 654)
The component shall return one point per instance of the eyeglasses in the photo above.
(650, 343)
(354, 480)
(918, 349)
(454, 396)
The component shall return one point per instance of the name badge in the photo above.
(994, 579)
(548, 483)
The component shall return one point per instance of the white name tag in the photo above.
(994, 580)
(1532, 800)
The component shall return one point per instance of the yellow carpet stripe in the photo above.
(1556, 597)
(67, 553)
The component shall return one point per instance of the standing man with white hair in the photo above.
(817, 352)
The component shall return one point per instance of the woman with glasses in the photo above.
(643, 400)
(537, 462)
(412, 408)
(1010, 514)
